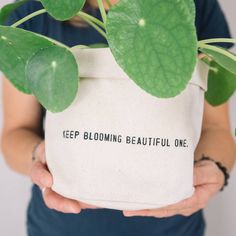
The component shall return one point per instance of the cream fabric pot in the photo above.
(119, 147)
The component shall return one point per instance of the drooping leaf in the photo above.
(154, 43)
(221, 84)
(61, 9)
(227, 62)
(7, 10)
(53, 77)
(16, 47)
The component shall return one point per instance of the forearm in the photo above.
(17, 147)
(218, 144)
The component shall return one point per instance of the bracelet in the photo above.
(34, 150)
(220, 166)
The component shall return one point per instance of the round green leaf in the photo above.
(7, 9)
(221, 84)
(191, 6)
(53, 77)
(16, 47)
(228, 62)
(61, 9)
(155, 43)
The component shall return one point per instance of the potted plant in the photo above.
(122, 121)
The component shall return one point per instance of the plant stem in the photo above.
(102, 10)
(53, 41)
(33, 15)
(36, 13)
(219, 50)
(217, 40)
(91, 18)
(109, 3)
(79, 47)
(205, 60)
(94, 26)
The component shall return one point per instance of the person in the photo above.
(48, 213)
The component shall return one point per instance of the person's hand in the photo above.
(41, 176)
(208, 180)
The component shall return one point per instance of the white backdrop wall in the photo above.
(15, 189)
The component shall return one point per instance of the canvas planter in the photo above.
(119, 147)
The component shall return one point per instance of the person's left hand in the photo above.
(208, 180)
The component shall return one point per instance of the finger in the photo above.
(42, 155)
(198, 201)
(146, 212)
(40, 175)
(160, 212)
(184, 204)
(188, 212)
(55, 201)
(154, 213)
(40, 152)
(166, 213)
(84, 205)
(205, 192)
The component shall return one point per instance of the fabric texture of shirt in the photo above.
(42, 221)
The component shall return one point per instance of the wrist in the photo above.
(220, 166)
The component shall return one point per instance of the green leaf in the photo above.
(16, 47)
(221, 84)
(228, 62)
(154, 43)
(98, 45)
(61, 9)
(7, 10)
(191, 6)
(53, 77)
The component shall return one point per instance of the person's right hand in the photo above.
(41, 176)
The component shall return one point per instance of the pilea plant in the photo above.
(154, 42)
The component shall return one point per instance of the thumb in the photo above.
(40, 152)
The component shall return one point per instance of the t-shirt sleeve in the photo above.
(212, 21)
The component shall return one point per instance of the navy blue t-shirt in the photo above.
(42, 221)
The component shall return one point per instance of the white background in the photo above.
(15, 189)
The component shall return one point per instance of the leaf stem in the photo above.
(53, 41)
(91, 18)
(102, 10)
(217, 40)
(208, 63)
(36, 13)
(109, 3)
(94, 26)
(205, 60)
(219, 50)
(79, 47)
